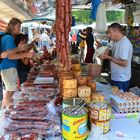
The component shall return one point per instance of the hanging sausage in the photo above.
(63, 27)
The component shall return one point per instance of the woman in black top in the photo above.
(23, 65)
(90, 47)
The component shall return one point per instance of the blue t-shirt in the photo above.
(7, 42)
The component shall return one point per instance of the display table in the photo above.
(128, 126)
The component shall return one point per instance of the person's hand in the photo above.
(31, 46)
(98, 44)
(30, 54)
(105, 55)
(4, 54)
(22, 46)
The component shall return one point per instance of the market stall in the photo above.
(64, 99)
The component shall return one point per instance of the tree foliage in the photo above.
(115, 16)
(83, 16)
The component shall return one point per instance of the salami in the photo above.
(63, 26)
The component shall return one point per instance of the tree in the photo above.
(115, 16)
(83, 16)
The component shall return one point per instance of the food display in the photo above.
(31, 114)
(125, 102)
(84, 91)
(69, 88)
(74, 123)
(115, 89)
(97, 96)
(60, 99)
(76, 67)
(76, 70)
(134, 38)
(100, 111)
(69, 83)
(65, 74)
(92, 85)
(82, 80)
(100, 114)
(89, 78)
(103, 125)
(69, 92)
(49, 93)
(29, 117)
(76, 74)
(62, 28)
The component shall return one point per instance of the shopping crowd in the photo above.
(16, 56)
(120, 56)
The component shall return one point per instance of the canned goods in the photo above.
(74, 127)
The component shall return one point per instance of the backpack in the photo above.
(1, 36)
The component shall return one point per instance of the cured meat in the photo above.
(63, 26)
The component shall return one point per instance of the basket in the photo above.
(94, 70)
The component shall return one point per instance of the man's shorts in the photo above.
(10, 79)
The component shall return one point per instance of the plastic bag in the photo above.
(55, 129)
(54, 132)
(4, 122)
(53, 114)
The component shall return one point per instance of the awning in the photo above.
(3, 25)
(9, 9)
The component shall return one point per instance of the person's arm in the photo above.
(118, 61)
(6, 53)
(11, 51)
(21, 47)
(82, 36)
(21, 55)
(124, 54)
(98, 44)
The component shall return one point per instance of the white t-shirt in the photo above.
(45, 37)
(122, 49)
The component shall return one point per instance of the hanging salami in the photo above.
(63, 27)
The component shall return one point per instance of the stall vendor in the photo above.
(121, 57)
